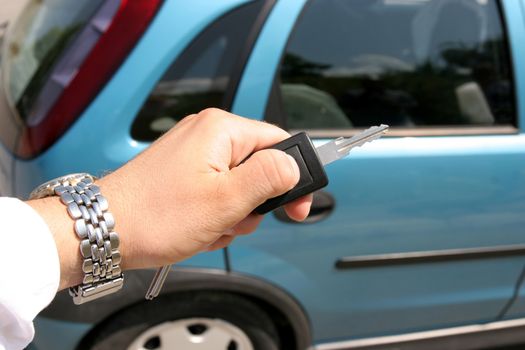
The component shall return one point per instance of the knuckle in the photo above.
(187, 119)
(213, 119)
(211, 113)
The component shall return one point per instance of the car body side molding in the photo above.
(432, 256)
(469, 337)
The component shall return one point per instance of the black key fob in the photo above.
(313, 176)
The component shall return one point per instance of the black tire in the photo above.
(121, 329)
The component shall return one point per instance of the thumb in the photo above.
(266, 174)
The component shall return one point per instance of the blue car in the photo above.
(418, 241)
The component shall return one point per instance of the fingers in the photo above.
(246, 135)
(266, 174)
(248, 224)
(250, 135)
(299, 209)
(220, 243)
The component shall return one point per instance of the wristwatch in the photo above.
(93, 225)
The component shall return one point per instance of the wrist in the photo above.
(133, 210)
(92, 225)
(120, 207)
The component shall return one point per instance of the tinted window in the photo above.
(201, 77)
(407, 63)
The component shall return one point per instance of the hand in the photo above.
(190, 190)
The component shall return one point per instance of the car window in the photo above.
(406, 63)
(42, 33)
(202, 76)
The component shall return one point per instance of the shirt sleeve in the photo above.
(29, 271)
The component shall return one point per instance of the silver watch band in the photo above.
(99, 244)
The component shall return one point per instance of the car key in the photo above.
(311, 162)
(157, 282)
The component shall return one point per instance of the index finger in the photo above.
(248, 136)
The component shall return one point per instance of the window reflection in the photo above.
(200, 77)
(406, 63)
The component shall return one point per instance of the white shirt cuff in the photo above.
(29, 270)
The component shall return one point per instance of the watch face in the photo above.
(47, 188)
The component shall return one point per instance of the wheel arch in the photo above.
(289, 316)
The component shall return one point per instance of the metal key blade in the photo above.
(157, 282)
(370, 134)
(340, 147)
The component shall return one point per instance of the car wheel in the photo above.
(203, 321)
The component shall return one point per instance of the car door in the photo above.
(419, 230)
(516, 24)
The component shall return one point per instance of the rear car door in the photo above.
(421, 230)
